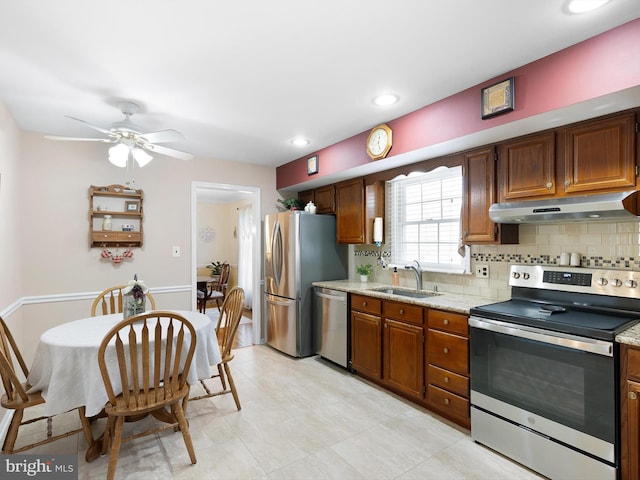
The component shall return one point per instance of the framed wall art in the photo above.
(498, 98)
(132, 206)
(312, 165)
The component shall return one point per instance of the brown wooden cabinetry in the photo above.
(447, 361)
(306, 197)
(123, 207)
(366, 325)
(630, 412)
(528, 167)
(356, 206)
(325, 199)
(599, 155)
(479, 193)
(403, 348)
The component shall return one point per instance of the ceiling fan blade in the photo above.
(170, 152)
(163, 136)
(78, 139)
(95, 127)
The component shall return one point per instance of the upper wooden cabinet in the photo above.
(357, 205)
(527, 167)
(479, 192)
(325, 199)
(596, 156)
(600, 155)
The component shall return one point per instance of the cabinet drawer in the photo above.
(366, 304)
(128, 237)
(447, 380)
(449, 322)
(448, 402)
(448, 351)
(403, 312)
(633, 362)
(104, 236)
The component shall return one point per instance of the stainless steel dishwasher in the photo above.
(332, 333)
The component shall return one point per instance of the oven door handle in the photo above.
(592, 345)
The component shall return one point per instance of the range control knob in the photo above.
(615, 282)
(525, 275)
(602, 281)
(631, 284)
(516, 275)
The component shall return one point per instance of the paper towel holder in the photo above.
(377, 231)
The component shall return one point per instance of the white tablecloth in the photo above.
(66, 368)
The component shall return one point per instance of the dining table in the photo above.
(65, 367)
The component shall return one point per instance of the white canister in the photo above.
(575, 259)
(564, 259)
(106, 223)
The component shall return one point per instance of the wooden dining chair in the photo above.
(216, 290)
(17, 399)
(110, 301)
(154, 353)
(226, 333)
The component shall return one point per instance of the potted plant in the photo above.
(290, 203)
(215, 267)
(364, 271)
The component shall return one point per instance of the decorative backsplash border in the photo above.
(620, 263)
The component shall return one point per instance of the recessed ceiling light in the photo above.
(386, 99)
(582, 6)
(300, 142)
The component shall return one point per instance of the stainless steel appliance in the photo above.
(331, 325)
(300, 248)
(544, 369)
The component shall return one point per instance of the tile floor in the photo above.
(301, 419)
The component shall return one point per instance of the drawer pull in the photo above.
(633, 395)
(364, 304)
(446, 379)
(445, 350)
(446, 401)
(401, 311)
(446, 321)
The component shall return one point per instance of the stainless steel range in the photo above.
(544, 369)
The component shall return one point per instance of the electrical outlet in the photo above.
(176, 251)
(482, 270)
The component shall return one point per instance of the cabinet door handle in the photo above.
(633, 396)
(446, 379)
(549, 185)
(445, 350)
(567, 183)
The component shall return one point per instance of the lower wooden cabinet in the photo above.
(630, 412)
(417, 352)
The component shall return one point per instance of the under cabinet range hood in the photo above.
(609, 206)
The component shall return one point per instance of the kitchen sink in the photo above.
(406, 293)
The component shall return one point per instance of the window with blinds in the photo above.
(425, 219)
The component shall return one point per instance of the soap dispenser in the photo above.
(395, 277)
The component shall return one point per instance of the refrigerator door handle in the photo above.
(277, 249)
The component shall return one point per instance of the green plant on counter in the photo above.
(291, 203)
(366, 269)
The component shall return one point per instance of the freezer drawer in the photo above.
(283, 329)
(331, 325)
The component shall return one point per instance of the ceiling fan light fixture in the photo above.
(141, 156)
(119, 154)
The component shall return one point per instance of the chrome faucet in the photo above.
(418, 271)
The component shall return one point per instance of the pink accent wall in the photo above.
(601, 65)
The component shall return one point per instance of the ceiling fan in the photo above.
(130, 139)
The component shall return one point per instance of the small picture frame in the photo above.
(498, 98)
(132, 206)
(312, 165)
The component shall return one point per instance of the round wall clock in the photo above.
(207, 234)
(379, 142)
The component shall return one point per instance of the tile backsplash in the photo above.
(600, 245)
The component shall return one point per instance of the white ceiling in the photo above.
(241, 78)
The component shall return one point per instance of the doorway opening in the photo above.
(225, 197)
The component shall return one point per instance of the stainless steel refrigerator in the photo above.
(300, 248)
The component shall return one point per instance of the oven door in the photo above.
(561, 386)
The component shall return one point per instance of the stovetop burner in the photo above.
(590, 303)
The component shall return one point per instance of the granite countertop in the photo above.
(630, 336)
(443, 300)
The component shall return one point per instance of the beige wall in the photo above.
(48, 269)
